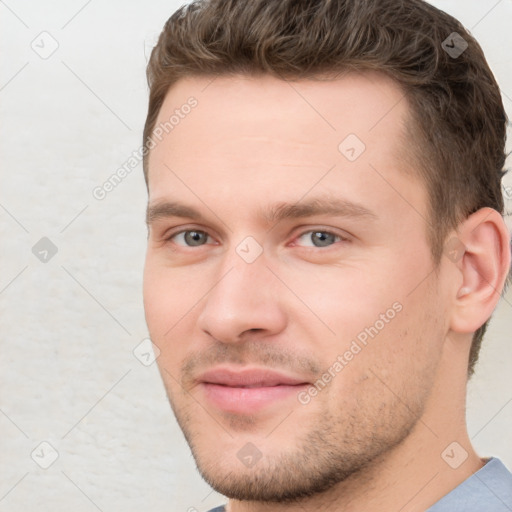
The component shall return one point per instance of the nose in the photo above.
(244, 300)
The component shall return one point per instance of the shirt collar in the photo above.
(489, 489)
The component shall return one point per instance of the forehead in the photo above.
(262, 135)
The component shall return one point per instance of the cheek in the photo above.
(172, 300)
(399, 360)
(408, 349)
(170, 295)
(382, 304)
(347, 299)
(157, 300)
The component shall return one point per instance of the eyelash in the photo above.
(337, 236)
(169, 238)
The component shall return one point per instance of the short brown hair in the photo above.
(457, 125)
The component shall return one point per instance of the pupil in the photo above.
(321, 239)
(194, 237)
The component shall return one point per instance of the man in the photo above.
(325, 248)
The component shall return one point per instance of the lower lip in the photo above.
(249, 400)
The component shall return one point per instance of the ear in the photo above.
(481, 252)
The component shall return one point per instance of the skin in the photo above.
(372, 438)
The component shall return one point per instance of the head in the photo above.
(304, 216)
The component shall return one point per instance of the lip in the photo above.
(249, 390)
(250, 377)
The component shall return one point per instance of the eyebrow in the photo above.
(320, 206)
(162, 210)
(276, 213)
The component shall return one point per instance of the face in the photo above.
(288, 282)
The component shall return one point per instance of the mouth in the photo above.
(250, 390)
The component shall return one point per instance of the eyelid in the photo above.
(299, 232)
(170, 233)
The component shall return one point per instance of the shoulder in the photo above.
(488, 489)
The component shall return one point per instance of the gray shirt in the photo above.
(489, 490)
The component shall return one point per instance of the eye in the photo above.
(318, 239)
(191, 238)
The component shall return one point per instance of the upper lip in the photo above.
(251, 377)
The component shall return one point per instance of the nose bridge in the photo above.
(240, 284)
(243, 267)
(237, 287)
(241, 298)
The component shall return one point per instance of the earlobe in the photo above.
(484, 264)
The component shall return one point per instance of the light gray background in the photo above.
(68, 375)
